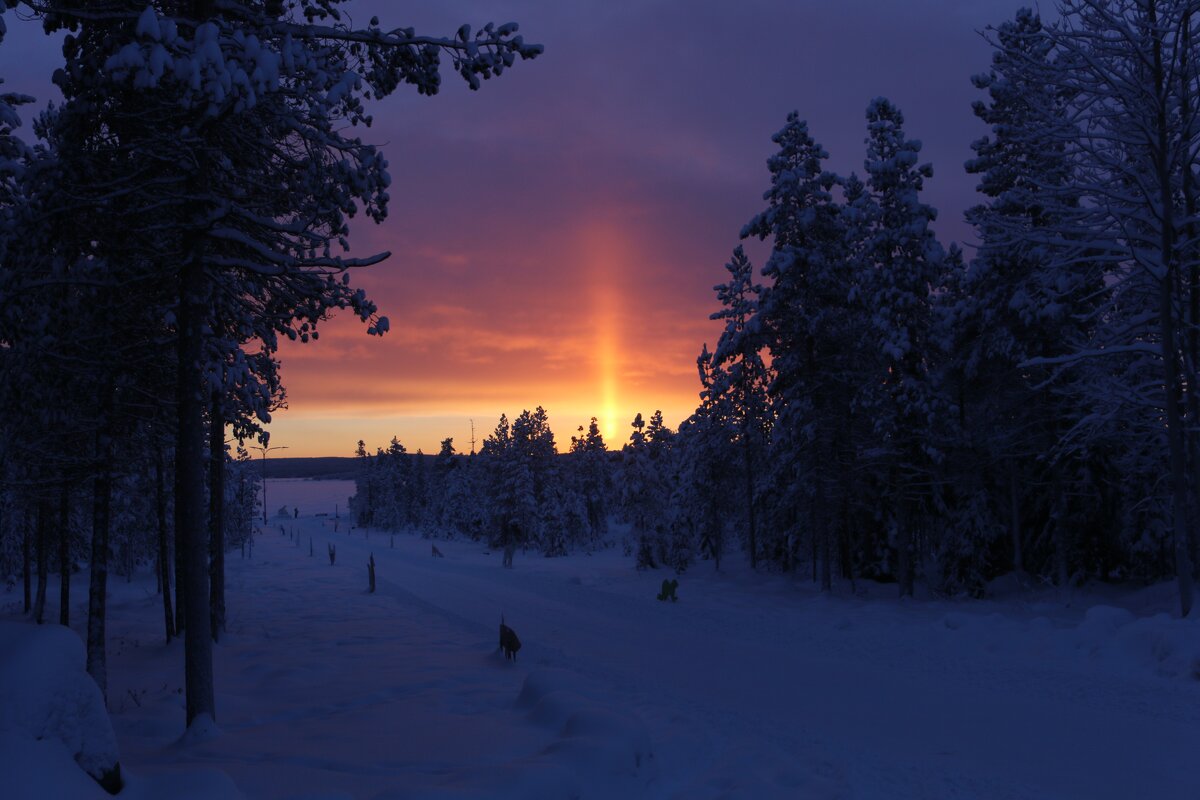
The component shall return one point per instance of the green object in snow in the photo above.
(668, 590)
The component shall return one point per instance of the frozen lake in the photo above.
(310, 496)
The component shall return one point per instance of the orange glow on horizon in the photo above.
(586, 319)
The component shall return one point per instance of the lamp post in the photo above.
(264, 451)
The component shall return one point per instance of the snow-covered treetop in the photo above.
(799, 183)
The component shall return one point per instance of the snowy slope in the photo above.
(744, 688)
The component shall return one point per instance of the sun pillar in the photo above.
(607, 257)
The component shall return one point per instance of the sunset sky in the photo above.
(556, 235)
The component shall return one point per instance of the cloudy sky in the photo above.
(555, 236)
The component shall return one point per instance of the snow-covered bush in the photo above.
(46, 694)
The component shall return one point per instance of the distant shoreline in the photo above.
(325, 468)
(317, 468)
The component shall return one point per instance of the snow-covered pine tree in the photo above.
(362, 504)
(739, 355)
(658, 436)
(386, 489)
(705, 469)
(1125, 76)
(810, 315)
(591, 466)
(396, 475)
(532, 470)
(75, 325)
(634, 487)
(643, 485)
(1023, 297)
(447, 495)
(241, 492)
(901, 263)
(419, 493)
(506, 458)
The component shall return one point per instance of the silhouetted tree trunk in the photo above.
(180, 578)
(845, 548)
(97, 665)
(904, 550)
(1189, 333)
(164, 555)
(27, 562)
(180, 571)
(43, 560)
(64, 557)
(824, 516)
(1014, 516)
(216, 517)
(826, 533)
(814, 539)
(190, 524)
(1167, 326)
(1057, 531)
(748, 473)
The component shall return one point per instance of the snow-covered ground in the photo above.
(747, 687)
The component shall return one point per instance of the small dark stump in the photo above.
(509, 642)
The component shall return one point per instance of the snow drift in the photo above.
(51, 709)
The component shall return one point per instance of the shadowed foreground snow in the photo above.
(744, 688)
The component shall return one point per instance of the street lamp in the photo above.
(264, 451)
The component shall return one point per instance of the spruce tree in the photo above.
(901, 263)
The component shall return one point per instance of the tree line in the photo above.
(1030, 409)
(879, 406)
(905, 412)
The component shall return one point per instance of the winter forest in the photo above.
(917, 472)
